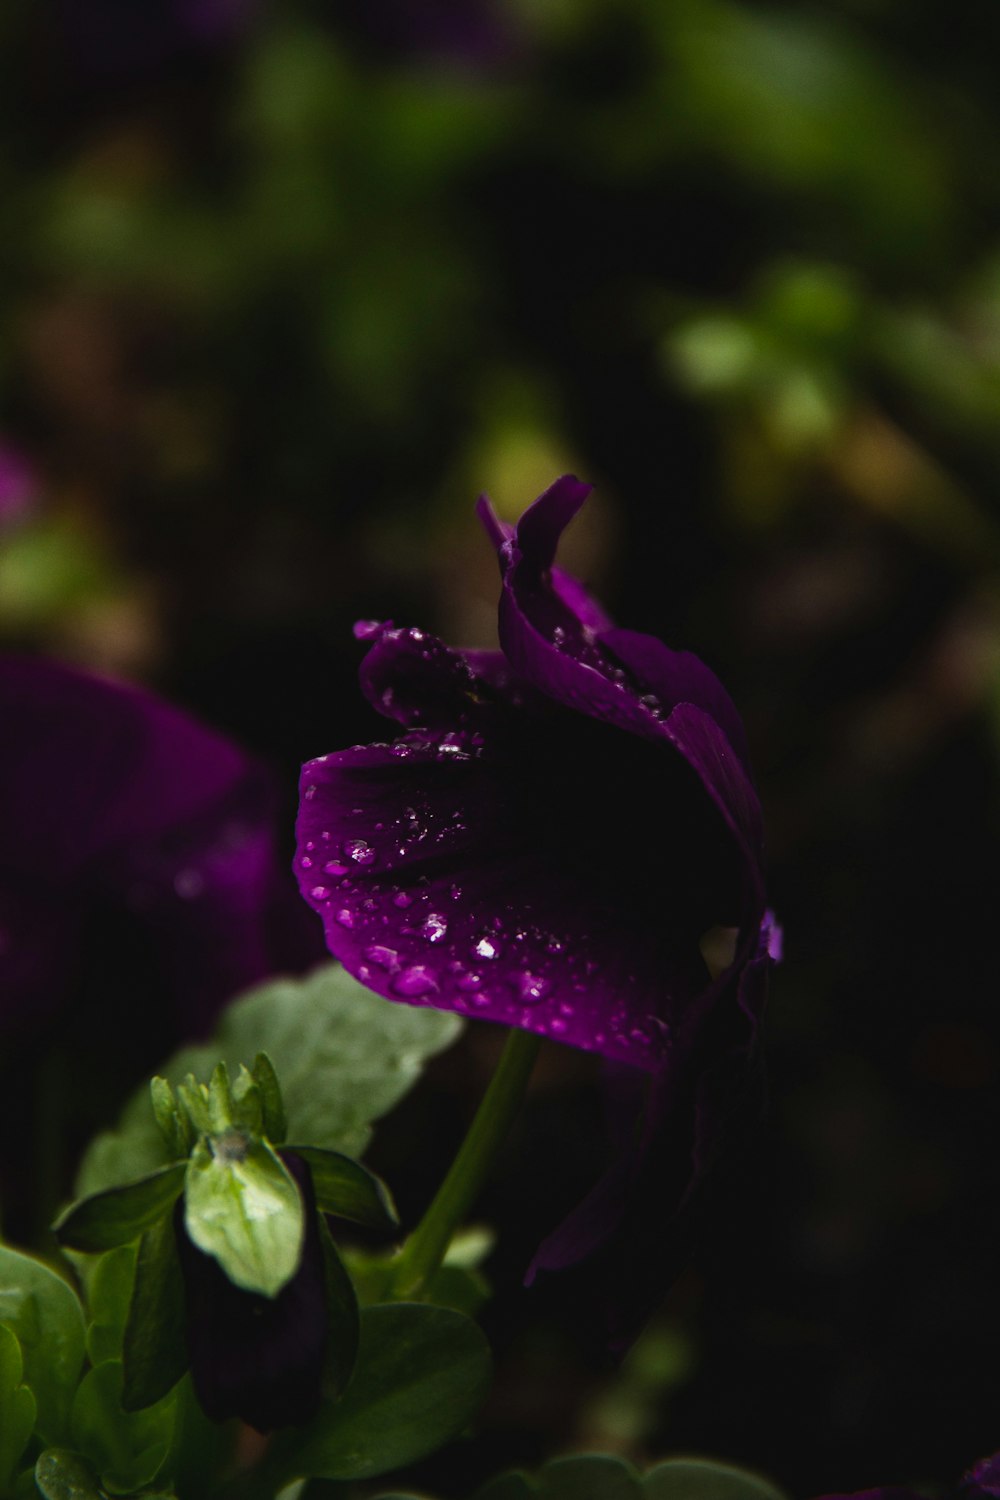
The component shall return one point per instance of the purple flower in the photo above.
(18, 486)
(982, 1482)
(257, 1358)
(566, 838)
(129, 835)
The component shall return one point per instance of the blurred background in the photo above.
(285, 283)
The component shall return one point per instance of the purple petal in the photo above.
(433, 888)
(114, 803)
(253, 1357)
(983, 1479)
(699, 1104)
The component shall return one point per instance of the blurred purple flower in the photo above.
(130, 833)
(566, 838)
(472, 34)
(981, 1482)
(257, 1358)
(108, 37)
(18, 486)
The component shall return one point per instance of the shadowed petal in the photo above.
(448, 900)
(253, 1357)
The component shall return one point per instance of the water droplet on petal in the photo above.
(556, 1026)
(345, 917)
(470, 981)
(434, 927)
(530, 987)
(310, 791)
(305, 862)
(386, 958)
(359, 850)
(366, 630)
(402, 899)
(416, 980)
(320, 892)
(487, 948)
(334, 868)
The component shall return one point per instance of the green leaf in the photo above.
(154, 1348)
(347, 1189)
(514, 1485)
(128, 1449)
(45, 1314)
(17, 1406)
(703, 1479)
(220, 1100)
(63, 1475)
(421, 1375)
(242, 1205)
(173, 1124)
(343, 1318)
(344, 1057)
(108, 1297)
(248, 1110)
(590, 1476)
(120, 1214)
(275, 1125)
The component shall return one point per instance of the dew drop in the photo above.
(558, 637)
(557, 1027)
(487, 948)
(434, 927)
(416, 980)
(361, 852)
(305, 862)
(470, 981)
(310, 791)
(531, 988)
(333, 867)
(345, 917)
(455, 892)
(402, 899)
(366, 630)
(386, 958)
(320, 892)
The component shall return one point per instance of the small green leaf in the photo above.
(192, 1097)
(421, 1375)
(108, 1297)
(220, 1100)
(344, 1056)
(173, 1123)
(703, 1479)
(154, 1350)
(248, 1111)
(514, 1485)
(128, 1449)
(343, 1318)
(45, 1314)
(347, 1189)
(242, 1206)
(63, 1475)
(589, 1476)
(17, 1407)
(120, 1214)
(275, 1125)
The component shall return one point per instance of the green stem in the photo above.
(426, 1248)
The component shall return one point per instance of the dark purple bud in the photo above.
(257, 1358)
